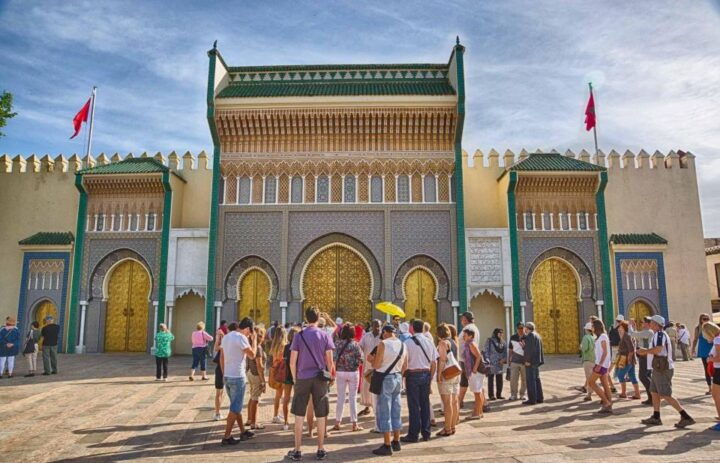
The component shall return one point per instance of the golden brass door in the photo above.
(44, 309)
(126, 320)
(420, 296)
(638, 311)
(337, 281)
(254, 297)
(555, 311)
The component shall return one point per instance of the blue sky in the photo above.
(655, 64)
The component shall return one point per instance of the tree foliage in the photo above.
(6, 113)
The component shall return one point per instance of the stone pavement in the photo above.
(107, 407)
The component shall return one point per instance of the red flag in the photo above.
(80, 117)
(590, 113)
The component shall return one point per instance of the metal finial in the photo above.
(215, 45)
(457, 40)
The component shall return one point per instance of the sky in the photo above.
(655, 66)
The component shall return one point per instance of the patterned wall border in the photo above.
(107, 263)
(658, 257)
(438, 273)
(27, 257)
(579, 266)
(240, 268)
(311, 249)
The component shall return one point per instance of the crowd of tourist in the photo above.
(378, 363)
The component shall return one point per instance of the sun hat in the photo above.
(658, 319)
(588, 326)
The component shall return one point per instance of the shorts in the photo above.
(716, 376)
(255, 384)
(603, 371)
(475, 383)
(450, 386)
(661, 382)
(235, 388)
(319, 390)
(219, 383)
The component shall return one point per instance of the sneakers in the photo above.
(408, 440)
(652, 421)
(294, 455)
(158, 379)
(383, 451)
(395, 445)
(217, 417)
(277, 420)
(320, 455)
(229, 441)
(716, 427)
(605, 410)
(684, 422)
(165, 379)
(512, 397)
(247, 435)
(286, 427)
(523, 398)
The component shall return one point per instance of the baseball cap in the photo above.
(620, 317)
(338, 321)
(588, 326)
(658, 319)
(389, 328)
(404, 327)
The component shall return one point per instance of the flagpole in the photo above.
(92, 119)
(594, 125)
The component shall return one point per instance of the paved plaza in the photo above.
(108, 408)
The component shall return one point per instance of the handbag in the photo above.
(622, 361)
(376, 381)
(323, 374)
(452, 367)
(29, 344)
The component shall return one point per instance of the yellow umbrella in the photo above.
(390, 309)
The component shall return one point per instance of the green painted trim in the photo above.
(76, 266)
(164, 246)
(459, 197)
(212, 234)
(514, 255)
(609, 306)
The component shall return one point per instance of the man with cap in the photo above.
(466, 320)
(534, 358)
(643, 338)
(49, 335)
(421, 366)
(659, 358)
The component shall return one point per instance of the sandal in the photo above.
(257, 426)
(444, 433)
(587, 398)
(623, 396)
(335, 428)
(356, 428)
(635, 397)
(191, 378)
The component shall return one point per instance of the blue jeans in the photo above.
(235, 388)
(626, 374)
(198, 358)
(417, 386)
(534, 386)
(387, 412)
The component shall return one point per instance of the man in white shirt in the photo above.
(421, 365)
(368, 343)
(466, 320)
(662, 373)
(237, 346)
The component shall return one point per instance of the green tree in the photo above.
(5, 110)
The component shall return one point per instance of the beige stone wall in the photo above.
(485, 198)
(195, 204)
(712, 261)
(30, 202)
(663, 199)
(489, 314)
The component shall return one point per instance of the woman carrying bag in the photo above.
(448, 379)
(31, 348)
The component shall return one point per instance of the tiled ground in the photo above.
(108, 408)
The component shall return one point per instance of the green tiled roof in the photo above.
(48, 239)
(337, 88)
(336, 67)
(128, 166)
(637, 238)
(554, 162)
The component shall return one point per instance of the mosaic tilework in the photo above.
(421, 232)
(250, 233)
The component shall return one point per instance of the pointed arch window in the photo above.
(244, 190)
(296, 187)
(403, 186)
(323, 188)
(430, 186)
(349, 189)
(376, 189)
(270, 189)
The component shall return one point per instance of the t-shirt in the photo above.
(599, 351)
(311, 362)
(367, 344)
(476, 339)
(658, 339)
(50, 334)
(516, 358)
(233, 346)
(716, 352)
(252, 365)
(587, 348)
(417, 360)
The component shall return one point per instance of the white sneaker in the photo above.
(217, 417)
(277, 420)
(286, 427)
(523, 398)
(158, 379)
(512, 397)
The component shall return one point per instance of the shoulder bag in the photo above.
(29, 344)
(452, 367)
(323, 374)
(377, 378)
(660, 363)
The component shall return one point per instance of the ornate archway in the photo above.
(337, 280)
(43, 309)
(420, 291)
(241, 267)
(639, 309)
(128, 297)
(586, 288)
(431, 266)
(253, 295)
(98, 278)
(554, 287)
